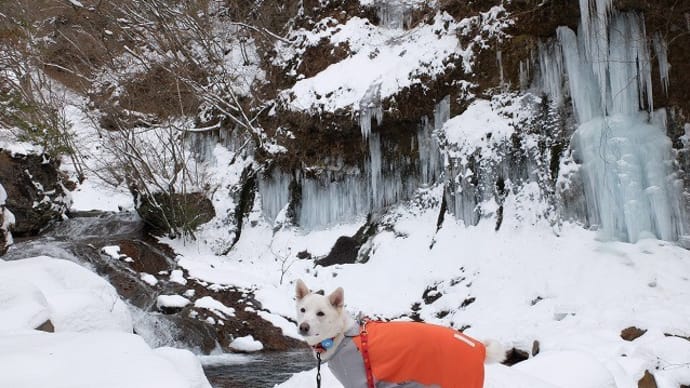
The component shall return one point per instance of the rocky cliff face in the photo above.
(343, 104)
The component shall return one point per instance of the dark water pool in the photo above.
(260, 371)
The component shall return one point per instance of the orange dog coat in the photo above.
(413, 354)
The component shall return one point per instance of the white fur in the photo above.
(332, 323)
(495, 352)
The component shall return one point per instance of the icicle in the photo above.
(594, 23)
(370, 105)
(275, 193)
(628, 66)
(429, 154)
(499, 63)
(391, 14)
(441, 112)
(551, 71)
(661, 51)
(375, 163)
(584, 90)
(524, 74)
(331, 198)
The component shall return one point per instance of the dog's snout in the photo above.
(304, 328)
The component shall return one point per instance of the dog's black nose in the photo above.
(304, 328)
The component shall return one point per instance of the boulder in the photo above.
(647, 381)
(631, 333)
(166, 213)
(36, 191)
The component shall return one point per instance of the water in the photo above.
(260, 371)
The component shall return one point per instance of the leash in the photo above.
(318, 371)
(364, 336)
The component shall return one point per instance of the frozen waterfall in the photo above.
(630, 189)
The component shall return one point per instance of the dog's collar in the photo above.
(324, 345)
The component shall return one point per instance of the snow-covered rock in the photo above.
(72, 297)
(93, 344)
(246, 344)
(32, 359)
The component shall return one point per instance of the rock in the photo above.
(176, 213)
(46, 326)
(343, 252)
(631, 333)
(535, 348)
(514, 356)
(647, 381)
(35, 191)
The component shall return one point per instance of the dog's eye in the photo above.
(320, 314)
(302, 310)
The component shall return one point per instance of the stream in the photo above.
(259, 371)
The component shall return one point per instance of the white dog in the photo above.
(390, 354)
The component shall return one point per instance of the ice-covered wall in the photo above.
(386, 176)
(605, 68)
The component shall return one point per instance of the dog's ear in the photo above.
(337, 297)
(301, 289)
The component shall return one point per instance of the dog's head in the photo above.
(319, 316)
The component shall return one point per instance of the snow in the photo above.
(209, 303)
(176, 276)
(92, 345)
(98, 359)
(74, 298)
(572, 292)
(246, 344)
(496, 376)
(478, 126)
(93, 194)
(569, 369)
(113, 251)
(388, 58)
(148, 278)
(174, 301)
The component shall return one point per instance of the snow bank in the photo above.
(93, 344)
(496, 376)
(72, 297)
(32, 359)
(569, 369)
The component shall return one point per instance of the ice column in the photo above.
(630, 190)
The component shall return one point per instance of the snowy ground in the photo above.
(92, 344)
(571, 292)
